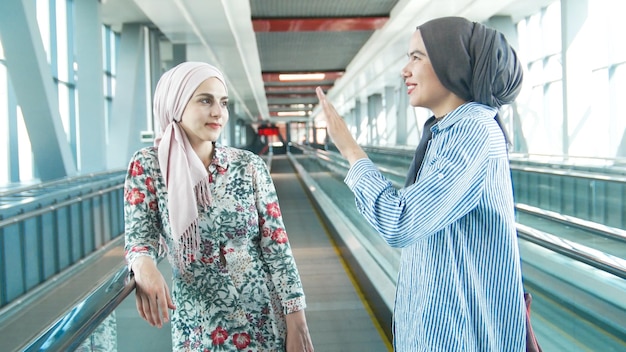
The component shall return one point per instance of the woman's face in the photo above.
(206, 112)
(423, 86)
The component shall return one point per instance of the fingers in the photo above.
(320, 94)
(139, 303)
(170, 303)
(154, 308)
(164, 302)
(328, 108)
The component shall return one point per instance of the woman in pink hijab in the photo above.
(214, 212)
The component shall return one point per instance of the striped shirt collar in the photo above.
(467, 110)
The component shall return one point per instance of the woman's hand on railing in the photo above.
(152, 294)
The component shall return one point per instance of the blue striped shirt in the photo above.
(459, 286)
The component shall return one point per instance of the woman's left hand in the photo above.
(298, 338)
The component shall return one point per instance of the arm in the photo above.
(142, 229)
(447, 189)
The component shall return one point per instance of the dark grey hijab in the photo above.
(473, 61)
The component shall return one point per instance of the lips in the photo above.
(410, 87)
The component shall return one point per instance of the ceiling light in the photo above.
(291, 113)
(301, 76)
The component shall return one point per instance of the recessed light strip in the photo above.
(301, 76)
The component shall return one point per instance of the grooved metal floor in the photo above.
(338, 317)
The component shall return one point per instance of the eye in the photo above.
(225, 103)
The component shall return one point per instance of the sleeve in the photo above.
(448, 188)
(274, 241)
(142, 225)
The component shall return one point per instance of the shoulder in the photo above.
(471, 119)
(238, 156)
(146, 157)
(476, 114)
(147, 152)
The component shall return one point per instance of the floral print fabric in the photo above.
(235, 293)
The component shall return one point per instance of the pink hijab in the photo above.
(185, 176)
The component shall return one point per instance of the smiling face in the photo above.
(206, 112)
(423, 86)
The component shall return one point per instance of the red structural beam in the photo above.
(319, 24)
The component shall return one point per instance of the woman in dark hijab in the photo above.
(459, 286)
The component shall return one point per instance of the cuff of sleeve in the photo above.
(294, 305)
(131, 259)
(358, 169)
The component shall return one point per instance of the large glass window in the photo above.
(25, 151)
(110, 41)
(570, 104)
(4, 120)
(540, 103)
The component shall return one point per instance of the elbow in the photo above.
(393, 238)
(397, 244)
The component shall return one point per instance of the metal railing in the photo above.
(45, 229)
(69, 332)
(81, 321)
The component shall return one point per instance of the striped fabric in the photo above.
(459, 287)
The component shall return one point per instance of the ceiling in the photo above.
(254, 42)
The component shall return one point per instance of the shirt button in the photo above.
(440, 176)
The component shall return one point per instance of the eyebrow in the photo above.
(209, 95)
(416, 51)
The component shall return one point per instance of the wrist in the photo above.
(355, 154)
(140, 263)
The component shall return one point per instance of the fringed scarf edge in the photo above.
(188, 245)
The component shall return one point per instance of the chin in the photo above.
(415, 102)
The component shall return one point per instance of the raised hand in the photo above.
(338, 131)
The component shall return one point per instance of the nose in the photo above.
(405, 72)
(216, 110)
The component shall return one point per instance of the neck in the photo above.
(205, 152)
(447, 105)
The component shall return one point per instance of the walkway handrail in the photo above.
(593, 257)
(38, 212)
(598, 259)
(613, 171)
(67, 333)
(61, 181)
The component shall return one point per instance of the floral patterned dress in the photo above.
(235, 294)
